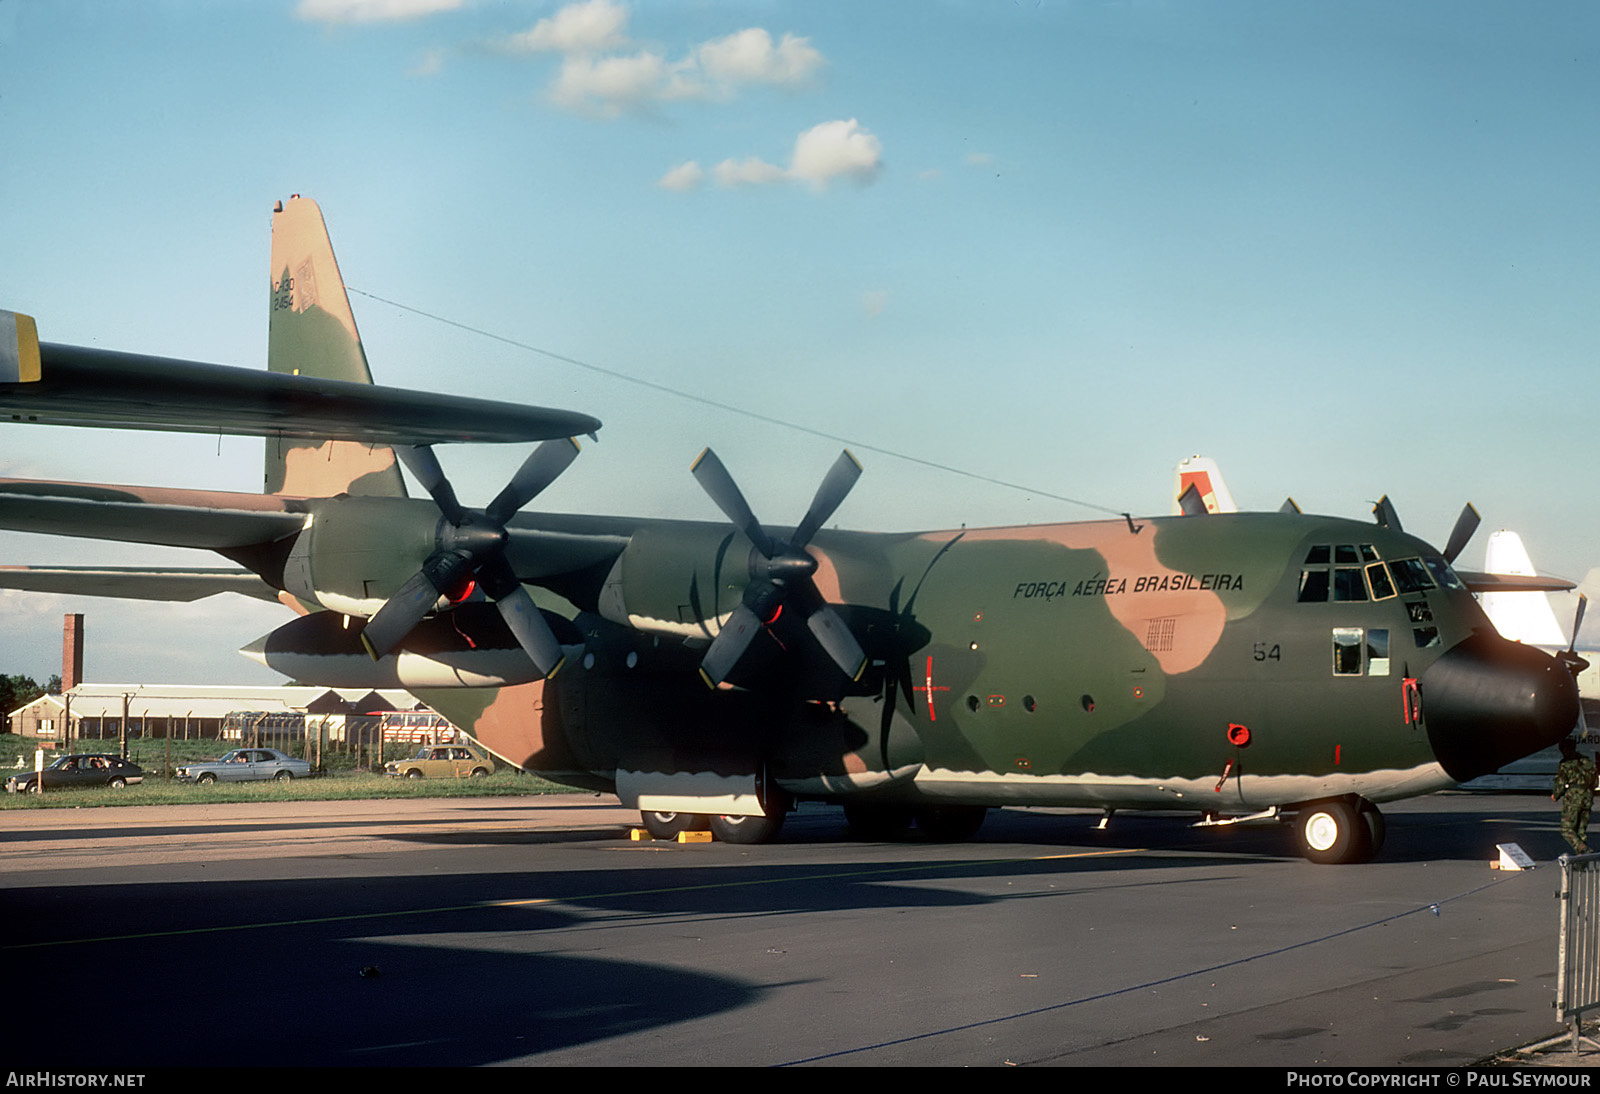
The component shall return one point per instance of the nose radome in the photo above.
(1488, 701)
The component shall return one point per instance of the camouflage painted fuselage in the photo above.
(1222, 663)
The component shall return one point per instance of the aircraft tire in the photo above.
(669, 825)
(1333, 833)
(1376, 829)
(950, 823)
(731, 829)
(870, 821)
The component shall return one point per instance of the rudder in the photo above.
(312, 332)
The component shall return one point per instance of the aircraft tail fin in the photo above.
(1202, 473)
(312, 332)
(1522, 617)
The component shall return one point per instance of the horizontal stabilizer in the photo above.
(209, 519)
(176, 583)
(108, 389)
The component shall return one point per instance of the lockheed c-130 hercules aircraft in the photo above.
(1250, 665)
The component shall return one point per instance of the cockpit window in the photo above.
(1345, 552)
(1318, 555)
(1313, 586)
(1348, 585)
(1368, 553)
(1442, 573)
(1378, 578)
(1411, 575)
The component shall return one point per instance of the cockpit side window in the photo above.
(1411, 575)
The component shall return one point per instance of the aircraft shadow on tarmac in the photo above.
(471, 968)
(478, 968)
(1476, 824)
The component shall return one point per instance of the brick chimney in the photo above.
(71, 652)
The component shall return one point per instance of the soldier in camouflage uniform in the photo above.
(1574, 789)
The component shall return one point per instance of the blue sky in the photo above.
(1346, 249)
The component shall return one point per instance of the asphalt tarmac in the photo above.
(533, 931)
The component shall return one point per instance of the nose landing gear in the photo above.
(1339, 830)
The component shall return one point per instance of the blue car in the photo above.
(246, 765)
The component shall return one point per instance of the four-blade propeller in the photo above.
(470, 546)
(780, 572)
(1466, 524)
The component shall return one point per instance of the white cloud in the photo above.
(682, 178)
(837, 149)
(596, 77)
(748, 57)
(978, 159)
(370, 11)
(751, 171)
(610, 86)
(874, 301)
(588, 27)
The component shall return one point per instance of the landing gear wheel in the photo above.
(731, 829)
(1333, 833)
(1376, 829)
(669, 825)
(876, 822)
(951, 823)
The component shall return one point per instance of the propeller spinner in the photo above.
(471, 546)
(780, 572)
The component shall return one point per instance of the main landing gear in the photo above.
(726, 828)
(1339, 830)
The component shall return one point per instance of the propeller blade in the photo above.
(716, 482)
(1577, 621)
(538, 471)
(1385, 512)
(533, 634)
(422, 463)
(841, 478)
(399, 614)
(729, 645)
(837, 640)
(1466, 524)
(1289, 506)
(521, 614)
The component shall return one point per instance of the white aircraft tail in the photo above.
(312, 332)
(1521, 617)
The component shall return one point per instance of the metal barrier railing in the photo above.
(1578, 964)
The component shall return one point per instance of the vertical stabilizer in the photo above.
(312, 332)
(1202, 473)
(1521, 617)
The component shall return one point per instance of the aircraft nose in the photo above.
(1488, 701)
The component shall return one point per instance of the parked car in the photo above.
(79, 769)
(246, 765)
(443, 762)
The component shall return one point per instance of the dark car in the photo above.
(79, 769)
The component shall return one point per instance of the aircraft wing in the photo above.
(73, 385)
(182, 583)
(208, 519)
(1513, 583)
